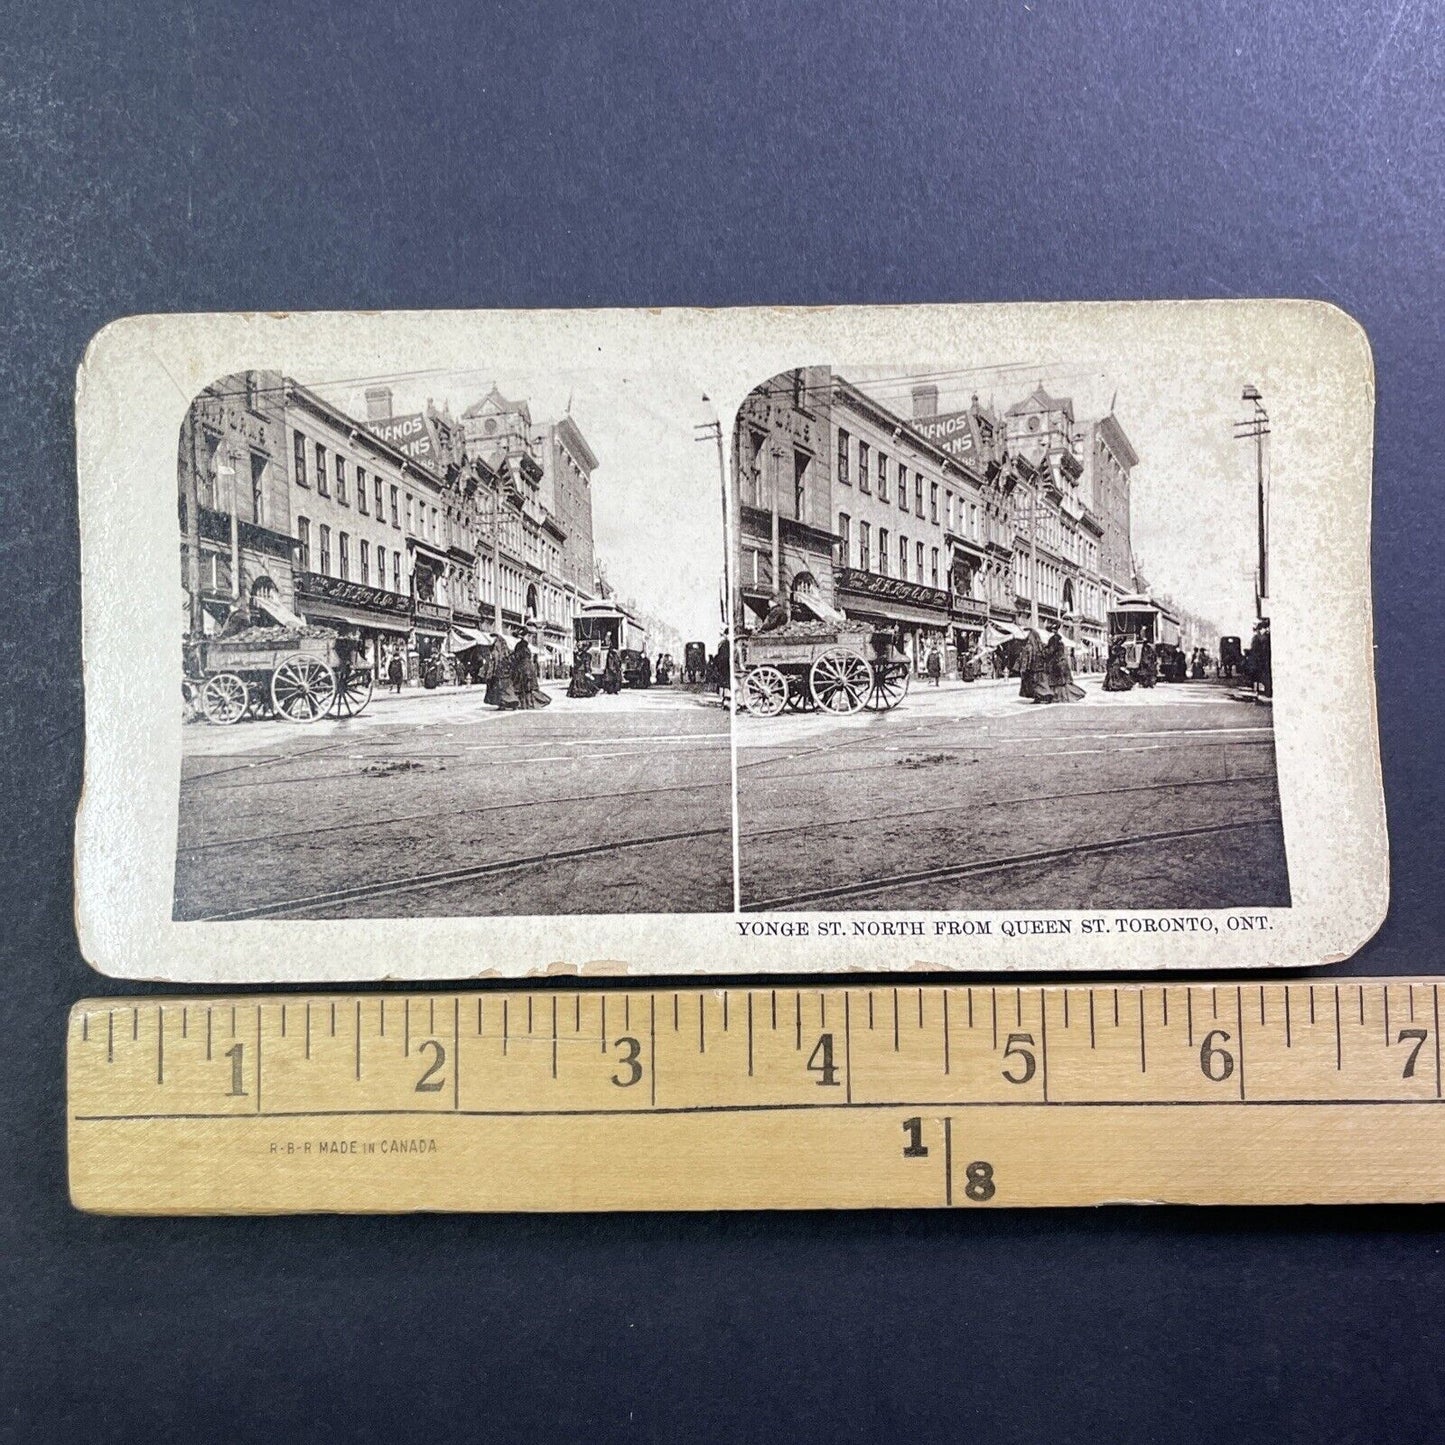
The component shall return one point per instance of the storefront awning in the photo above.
(282, 616)
(462, 639)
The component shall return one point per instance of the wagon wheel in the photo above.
(353, 692)
(840, 680)
(302, 689)
(890, 685)
(765, 690)
(224, 698)
(799, 698)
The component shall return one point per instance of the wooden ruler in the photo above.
(773, 1098)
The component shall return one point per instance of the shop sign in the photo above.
(778, 418)
(972, 608)
(317, 586)
(892, 589)
(952, 432)
(234, 421)
(433, 612)
(407, 434)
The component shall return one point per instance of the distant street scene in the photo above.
(452, 647)
(999, 652)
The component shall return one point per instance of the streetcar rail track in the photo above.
(953, 872)
(420, 882)
(430, 815)
(833, 823)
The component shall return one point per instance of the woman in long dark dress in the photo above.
(529, 681)
(1148, 669)
(1116, 675)
(612, 672)
(1060, 673)
(1034, 670)
(581, 684)
(501, 684)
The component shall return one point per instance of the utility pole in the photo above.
(226, 467)
(712, 431)
(1033, 558)
(1255, 427)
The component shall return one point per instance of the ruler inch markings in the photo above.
(1138, 1114)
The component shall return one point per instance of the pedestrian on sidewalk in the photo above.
(1117, 677)
(612, 672)
(1060, 673)
(501, 686)
(529, 682)
(1034, 670)
(934, 666)
(1147, 672)
(396, 670)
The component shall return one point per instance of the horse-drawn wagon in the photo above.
(296, 674)
(839, 669)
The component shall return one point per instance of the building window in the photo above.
(364, 547)
(882, 477)
(933, 502)
(800, 486)
(298, 455)
(863, 485)
(396, 510)
(322, 485)
(948, 510)
(933, 572)
(845, 537)
(902, 486)
(343, 551)
(865, 560)
(380, 514)
(919, 560)
(381, 568)
(918, 493)
(410, 515)
(883, 559)
(842, 456)
(436, 530)
(361, 497)
(341, 481)
(396, 571)
(303, 542)
(326, 549)
(903, 557)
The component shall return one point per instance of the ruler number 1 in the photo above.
(237, 1055)
(978, 1185)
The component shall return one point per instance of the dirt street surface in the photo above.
(431, 804)
(966, 797)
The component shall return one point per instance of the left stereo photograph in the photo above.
(448, 645)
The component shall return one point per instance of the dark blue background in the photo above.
(422, 154)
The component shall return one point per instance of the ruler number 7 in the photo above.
(1419, 1036)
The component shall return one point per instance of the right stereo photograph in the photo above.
(1002, 641)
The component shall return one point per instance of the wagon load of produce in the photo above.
(295, 673)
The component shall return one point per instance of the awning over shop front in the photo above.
(281, 615)
(463, 639)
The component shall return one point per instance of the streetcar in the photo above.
(603, 625)
(1136, 619)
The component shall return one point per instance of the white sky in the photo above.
(657, 519)
(1193, 496)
